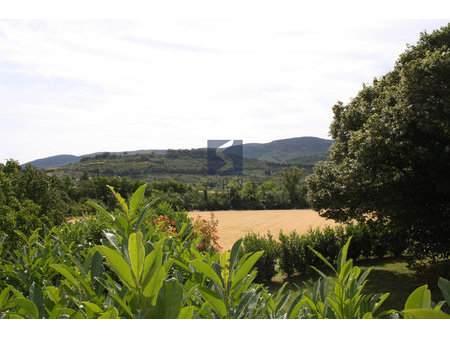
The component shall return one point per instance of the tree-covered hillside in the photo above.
(188, 166)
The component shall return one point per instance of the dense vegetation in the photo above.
(31, 199)
(187, 166)
(299, 150)
(146, 267)
(386, 176)
(391, 158)
(291, 254)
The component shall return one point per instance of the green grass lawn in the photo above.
(388, 275)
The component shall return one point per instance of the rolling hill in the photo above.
(298, 150)
(287, 150)
(187, 166)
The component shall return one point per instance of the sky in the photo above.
(77, 86)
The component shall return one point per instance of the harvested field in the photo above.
(235, 224)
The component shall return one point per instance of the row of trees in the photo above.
(31, 199)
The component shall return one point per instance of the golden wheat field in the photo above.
(235, 224)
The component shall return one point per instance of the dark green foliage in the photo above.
(292, 253)
(85, 232)
(369, 240)
(295, 254)
(301, 150)
(291, 178)
(266, 264)
(361, 240)
(142, 268)
(391, 157)
(144, 271)
(29, 200)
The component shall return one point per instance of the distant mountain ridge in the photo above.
(279, 151)
(61, 160)
(287, 149)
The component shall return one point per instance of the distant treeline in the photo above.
(30, 198)
(187, 166)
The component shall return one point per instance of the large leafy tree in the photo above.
(390, 161)
(29, 199)
(291, 178)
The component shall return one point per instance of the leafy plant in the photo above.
(340, 296)
(207, 230)
(267, 262)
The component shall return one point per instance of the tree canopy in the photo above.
(390, 161)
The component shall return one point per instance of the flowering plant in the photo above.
(207, 229)
(165, 224)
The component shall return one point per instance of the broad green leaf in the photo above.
(381, 301)
(324, 276)
(96, 265)
(234, 254)
(14, 316)
(182, 265)
(122, 223)
(444, 285)
(170, 300)
(280, 292)
(342, 256)
(245, 268)
(368, 315)
(425, 314)
(152, 263)
(142, 215)
(186, 312)
(65, 271)
(345, 270)
(215, 302)
(439, 306)
(318, 254)
(120, 200)
(154, 285)
(76, 315)
(242, 287)
(73, 277)
(4, 296)
(93, 307)
(136, 199)
(28, 306)
(101, 210)
(295, 308)
(38, 298)
(419, 299)
(116, 297)
(53, 293)
(118, 265)
(112, 314)
(136, 252)
(206, 270)
(282, 302)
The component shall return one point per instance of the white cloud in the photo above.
(84, 86)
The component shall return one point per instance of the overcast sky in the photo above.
(79, 86)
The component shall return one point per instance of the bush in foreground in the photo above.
(141, 270)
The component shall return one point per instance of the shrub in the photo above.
(368, 240)
(207, 230)
(140, 272)
(85, 232)
(266, 264)
(361, 240)
(294, 254)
